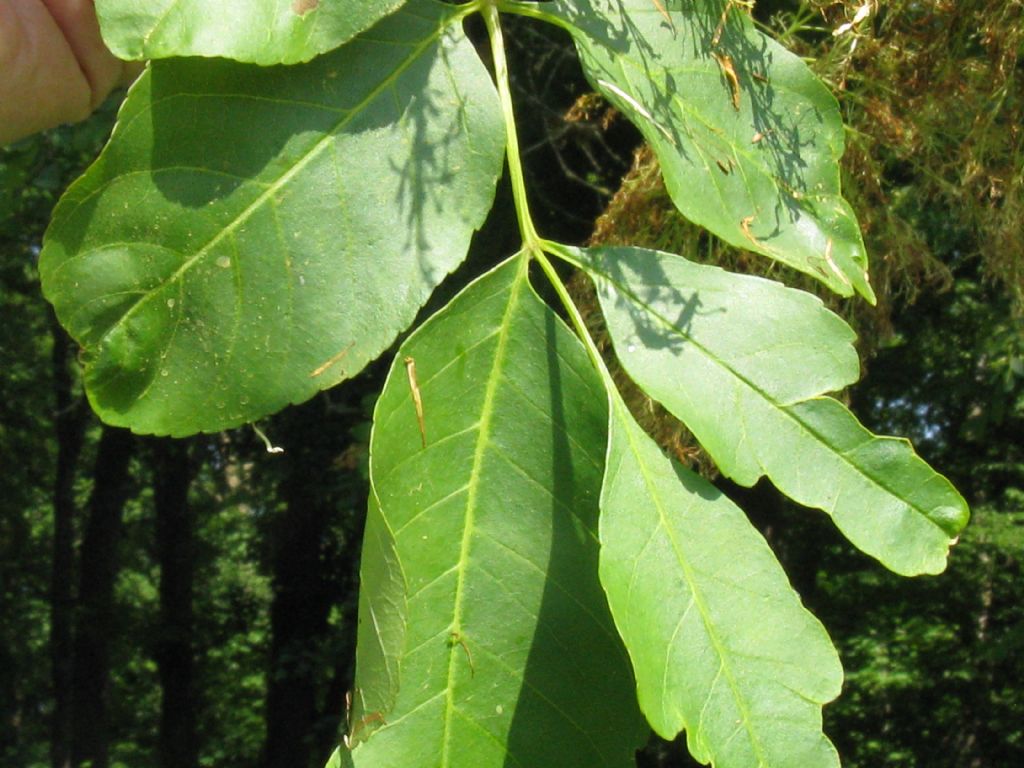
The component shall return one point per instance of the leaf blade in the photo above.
(762, 415)
(748, 139)
(511, 657)
(261, 32)
(383, 613)
(699, 598)
(293, 220)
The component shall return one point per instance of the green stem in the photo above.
(574, 314)
(532, 11)
(533, 246)
(531, 242)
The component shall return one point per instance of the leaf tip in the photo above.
(865, 290)
(952, 520)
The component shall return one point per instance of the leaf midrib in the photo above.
(473, 490)
(695, 592)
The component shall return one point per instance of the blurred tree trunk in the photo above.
(304, 587)
(91, 676)
(173, 470)
(69, 426)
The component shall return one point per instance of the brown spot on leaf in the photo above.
(745, 226)
(302, 7)
(729, 72)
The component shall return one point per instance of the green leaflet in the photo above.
(340, 758)
(251, 236)
(510, 654)
(741, 360)
(755, 163)
(721, 645)
(256, 31)
(382, 620)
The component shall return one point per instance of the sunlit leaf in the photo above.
(256, 31)
(748, 138)
(721, 645)
(251, 236)
(741, 360)
(510, 654)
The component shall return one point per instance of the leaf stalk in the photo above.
(531, 241)
(533, 246)
(555, 249)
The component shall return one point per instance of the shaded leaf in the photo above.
(381, 632)
(741, 360)
(256, 31)
(720, 643)
(510, 654)
(749, 140)
(251, 236)
(340, 758)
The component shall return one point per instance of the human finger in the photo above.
(77, 20)
(41, 83)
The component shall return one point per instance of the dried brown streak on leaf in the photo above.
(725, 62)
(374, 718)
(661, 9)
(328, 363)
(410, 369)
(717, 38)
(302, 7)
(721, 25)
(831, 263)
(458, 639)
(745, 226)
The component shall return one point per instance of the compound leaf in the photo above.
(720, 643)
(487, 456)
(749, 140)
(741, 361)
(253, 235)
(256, 31)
